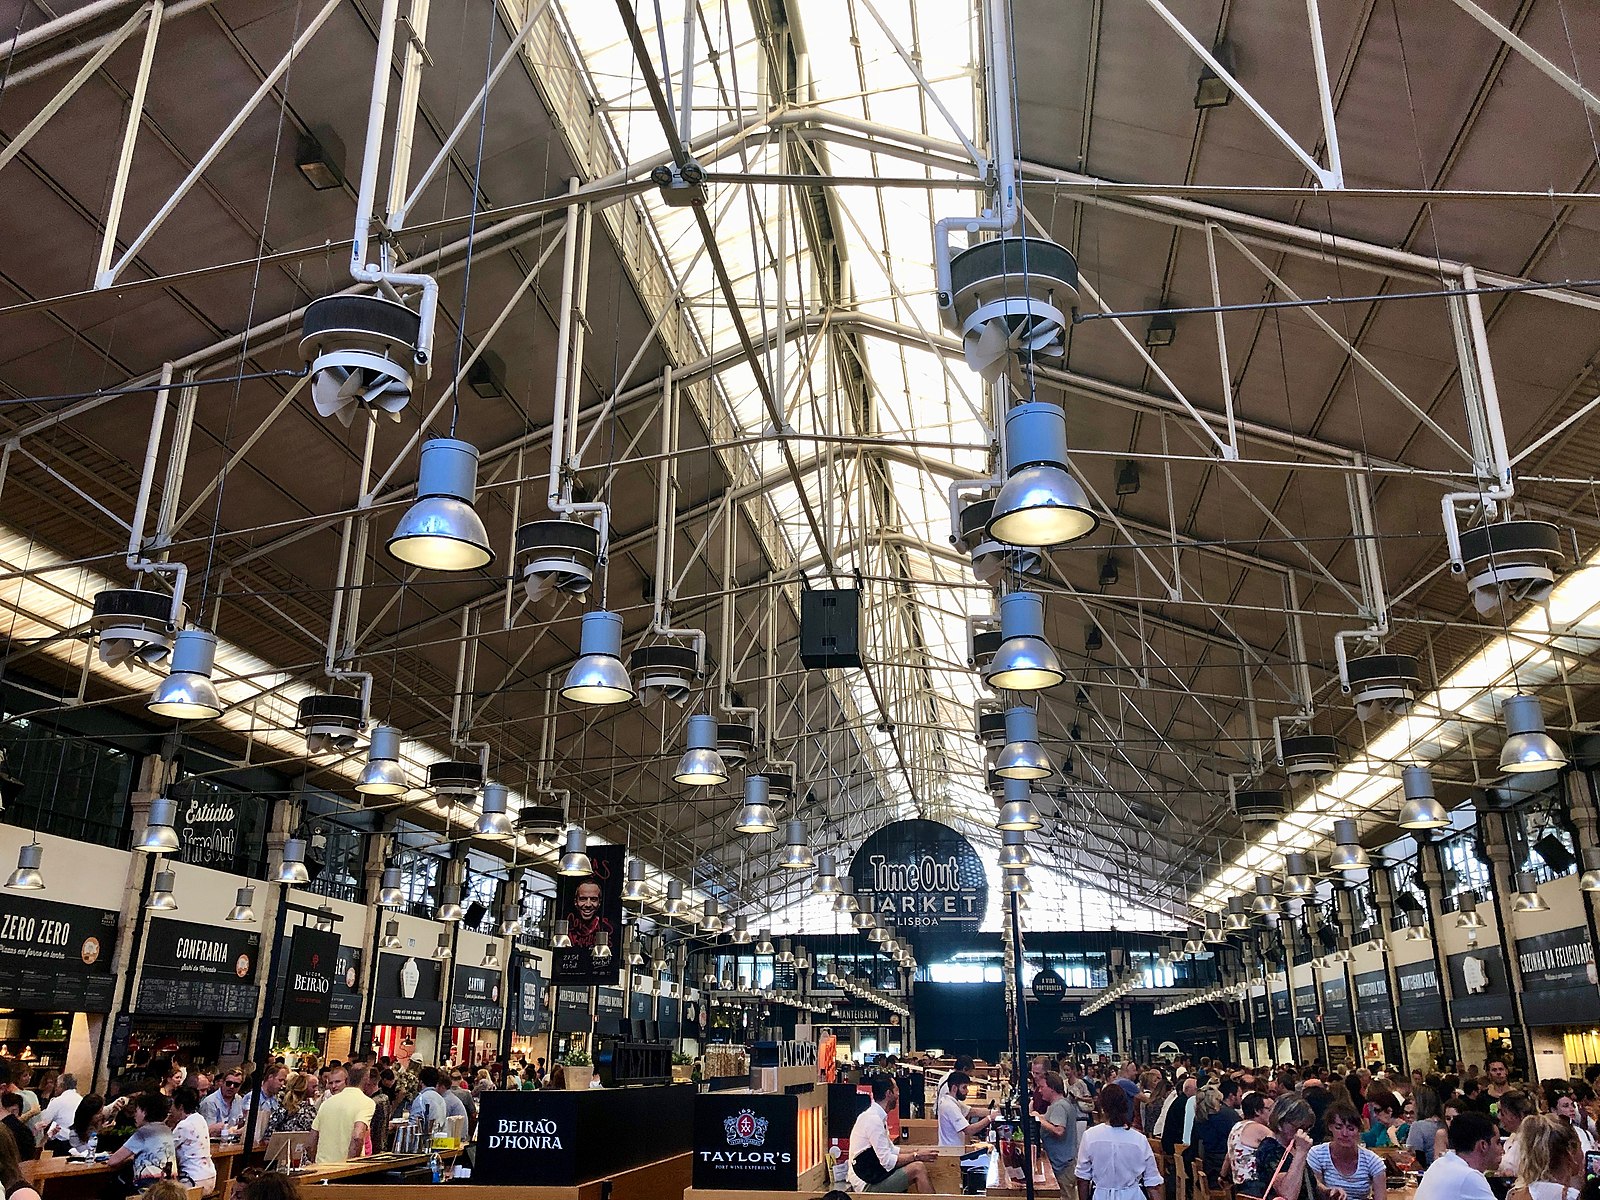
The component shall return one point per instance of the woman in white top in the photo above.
(1551, 1167)
(1566, 1108)
(191, 1138)
(1117, 1161)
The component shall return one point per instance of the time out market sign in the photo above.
(922, 875)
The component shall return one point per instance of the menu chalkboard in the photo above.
(55, 957)
(348, 985)
(475, 998)
(608, 1011)
(642, 1005)
(198, 971)
(572, 1009)
(532, 1019)
(407, 991)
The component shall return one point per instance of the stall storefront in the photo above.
(1481, 1012)
(406, 1006)
(1421, 1015)
(1380, 1040)
(476, 1011)
(197, 992)
(1560, 1000)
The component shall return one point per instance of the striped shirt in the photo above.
(1359, 1184)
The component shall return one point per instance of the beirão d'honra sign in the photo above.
(922, 875)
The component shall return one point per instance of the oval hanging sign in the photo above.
(1049, 988)
(922, 875)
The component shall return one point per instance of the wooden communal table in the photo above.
(376, 1164)
(664, 1180)
(62, 1178)
(1000, 1183)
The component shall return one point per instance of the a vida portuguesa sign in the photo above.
(922, 875)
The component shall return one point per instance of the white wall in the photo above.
(204, 896)
(74, 872)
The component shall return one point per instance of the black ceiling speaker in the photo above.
(1555, 854)
(830, 628)
(475, 913)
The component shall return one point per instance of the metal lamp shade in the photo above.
(1017, 813)
(1528, 898)
(826, 882)
(785, 952)
(161, 897)
(675, 902)
(1214, 934)
(575, 857)
(755, 815)
(1238, 921)
(187, 693)
(383, 775)
(292, 870)
(1040, 504)
(450, 910)
(243, 910)
(634, 887)
(764, 942)
(494, 822)
(1590, 881)
(1015, 879)
(1467, 912)
(1421, 809)
(1528, 747)
(442, 531)
(1347, 852)
(561, 939)
(1297, 883)
(1024, 661)
(797, 854)
(510, 921)
(27, 877)
(1014, 850)
(601, 950)
(741, 931)
(1022, 757)
(1416, 927)
(390, 892)
(1265, 903)
(441, 950)
(159, 836)
(844, 900)
(599, 676)
(711, 916)
(491, 960)
(391, 935)
(701, 764)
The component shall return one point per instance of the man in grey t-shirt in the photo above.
(1058, 1127)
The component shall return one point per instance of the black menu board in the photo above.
(203, 971)
(668, 1016)
(348, 986)
(1481, 988)
(572, 1009)
(407, 991)
(532, 1017)
(1421, 1002)
(1558, 978)
(608, 1010)
(642, 1005)
(55, 957)
(475, 998)
(1307, 1019)
(1373, 1009)
(1336, 1005)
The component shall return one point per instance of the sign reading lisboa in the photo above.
(923, 875)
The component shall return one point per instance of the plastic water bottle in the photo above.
(94, 1144)
(435, 1167)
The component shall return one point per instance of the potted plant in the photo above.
(682, 1067)
(579, 1069)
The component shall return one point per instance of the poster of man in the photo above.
(590, 905)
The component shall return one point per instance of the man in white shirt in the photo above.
(1459, 1174)
(63, 1107)
(876, 1165)
(956, 1124)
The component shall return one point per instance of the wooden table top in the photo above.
(327, 1172)
(35, 1171)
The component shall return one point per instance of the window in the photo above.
(1403, 883)
(338, 863)
(419, 873)
(1541, 838)
(1464, 871)
(71, 787)
(485, 890)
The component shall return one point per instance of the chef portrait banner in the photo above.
(407, 992)
(590, 905)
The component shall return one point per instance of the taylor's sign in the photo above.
(922, 875)
(747, 1142)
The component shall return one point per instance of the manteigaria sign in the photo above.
(922, 875)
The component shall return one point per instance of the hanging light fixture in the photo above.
(491, 960)
(635, 948)
(1528, 747)
(441, 950)
(450, 910)
(1214, 934)
(844, 900)
(324, 918)
(292, 870)
(785, 952)
(1018, 812)
(1347, 852)
(877, 935)
(1590, 881)
(675, 902)
(161, 897)
(755, 815)
(741, 931)
(1467, 912)
(160, 836)
(711, 916)
(1528, 899)
(1024, 661)
(601, 950)
(510, 919)
(560, 938)
(493, 821)
(599, 676)
(826, 882)
(1266, 903)
(1195, 943)
(796, 852)
(1015, 879)
(243, 910)
(1416, 927)
(391, 894)
(633, 888)
(701, 764)
(1238, 920)
(383, 775)
(764, 942)
(187, 693)
(1040, 504)
(1297, 882)
(1421, 809)
(575, 858)
(391, 935)
(1014, 850)
(27, 877)
(442, 531)
(1022, 757)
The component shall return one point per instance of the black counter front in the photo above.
(560, 1138)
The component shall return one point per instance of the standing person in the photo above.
(430, 1107)
(63, 1105)
(378, 1126)
(12, 1181)
(876, 1165)
(1424, 1131)
(1458, 1174)
(268, 1102)
(957, 1124)
(1058, 1127)
(191, 1142)
(1280, 1156)
(1499, 1082)
(1116, 1162)
(1511, 1110)
(149, 1154)
(1552, 1161)
(223, 1109)
(296, 1108)
(1342, 1162)
(339, 1130)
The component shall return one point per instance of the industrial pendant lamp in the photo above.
(675, 902)
(494, 822)
(599, 676)
(844, 900)
(1238, 919)
(1214, 934)
(764, 942)
(1024, 661)
(161, 897)
(1040, 504)
(755, 815)
(450, 910)
(292, 870)
(243, 910)
(1018, 812)
(701, 764)
(1265, 903)
(1297, 882)
(826, 882)
(1022, 757)
(797, 854)
(510, 919)
(383, 775)
(1528, 747)
(27, 877)
(575, 858)
(561, 939)
(1590, 882)
(1528, 898)
(1347, 852)
(442, 531)
(1014, 850)
(391, 935)
(1421, 810)
(1467, 912)
(785, 952)
(1416, 927)
(160, 836)
(710, 916)
(1015, 879)
(187, 693)
(441, 950)
(741, 931)
(601, 950)
(633, 888)
(635, 949)
(491, 960)
(391, 894)
(1195, 943)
